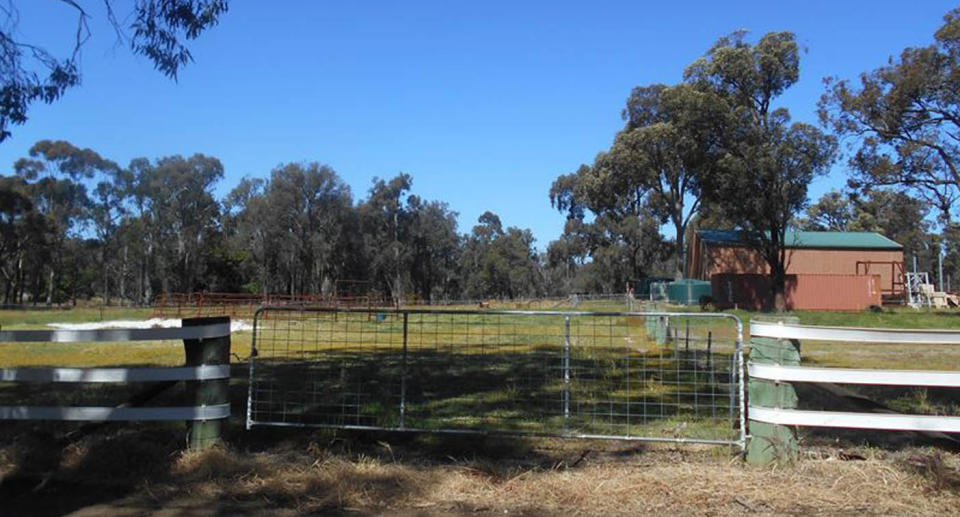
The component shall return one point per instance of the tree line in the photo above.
(76, 225)
(713, 150)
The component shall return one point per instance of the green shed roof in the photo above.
(804, 239)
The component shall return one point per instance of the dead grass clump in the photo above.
(657, 481)
(304, 482)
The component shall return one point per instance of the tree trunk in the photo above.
(123, 277)
(51, 277)
(679, 250)
(778, 288)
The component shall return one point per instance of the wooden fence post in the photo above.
(200, 352)
(771, 443)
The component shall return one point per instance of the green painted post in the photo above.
(658, 327)
(200, 352)
(770, 443)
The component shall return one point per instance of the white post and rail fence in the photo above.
(774, 367)
(206, 372)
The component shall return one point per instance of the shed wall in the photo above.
(805, 261)
(803, 292)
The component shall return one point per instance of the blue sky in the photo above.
(483, 103)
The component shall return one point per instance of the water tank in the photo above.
(687, 291)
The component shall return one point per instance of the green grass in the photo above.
(467, 361)
(34, 319)
(92, 354)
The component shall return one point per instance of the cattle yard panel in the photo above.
(636, 376)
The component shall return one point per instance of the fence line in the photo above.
(207, 372)
(775, 363)
(875, 421)
(781, 373)
(854, 334)
(516, 372)
(185, 373)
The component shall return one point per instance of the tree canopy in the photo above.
(903, 120)
(762, 162)
(155, 29)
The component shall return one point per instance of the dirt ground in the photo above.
(133, 471)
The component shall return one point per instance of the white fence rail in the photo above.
(768, 368)
(217, 330)
(781, 373)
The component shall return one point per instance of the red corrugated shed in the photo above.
(803, 292)
(818, 253)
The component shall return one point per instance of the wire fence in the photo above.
(638, 376)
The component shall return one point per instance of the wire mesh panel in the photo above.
(652, 376)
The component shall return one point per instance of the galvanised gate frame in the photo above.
(651, 376)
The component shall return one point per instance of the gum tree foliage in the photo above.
(410, 245)
(155, 226)
(620, 243)
(763, 162)
(500, 263)
(903, 120)
(663, 151)
(55, 172)
(179, 218)
(655, 163)
(891, 213)
(293, 227)
(155, 29)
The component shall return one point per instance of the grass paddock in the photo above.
(137, 469)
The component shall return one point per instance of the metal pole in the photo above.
(403, 374)
(940, 265)
(566, 374)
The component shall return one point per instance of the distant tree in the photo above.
(22, 231)
(894, 214)
(832, 212)
(173, 196)
(763, 162)
(623, 240)
(384, 223)
(306, 207)
(903, 120)
(59, 173)
(500, 262)
(30, 73)
(434, 249)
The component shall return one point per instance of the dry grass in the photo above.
(659, 483)
(318, 474)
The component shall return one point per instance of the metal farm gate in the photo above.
(633, 376)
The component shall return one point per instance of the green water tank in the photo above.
(687, 291)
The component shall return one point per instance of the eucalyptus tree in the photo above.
(834, 212)
(305, 206)
(903, 120)
(434, 246)
(155, 29)
(21, 230)
(179, 217)
(501, 263)
(663, 152)
(762, 162)
(384, 224)
(60, 172)
(622, 240)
